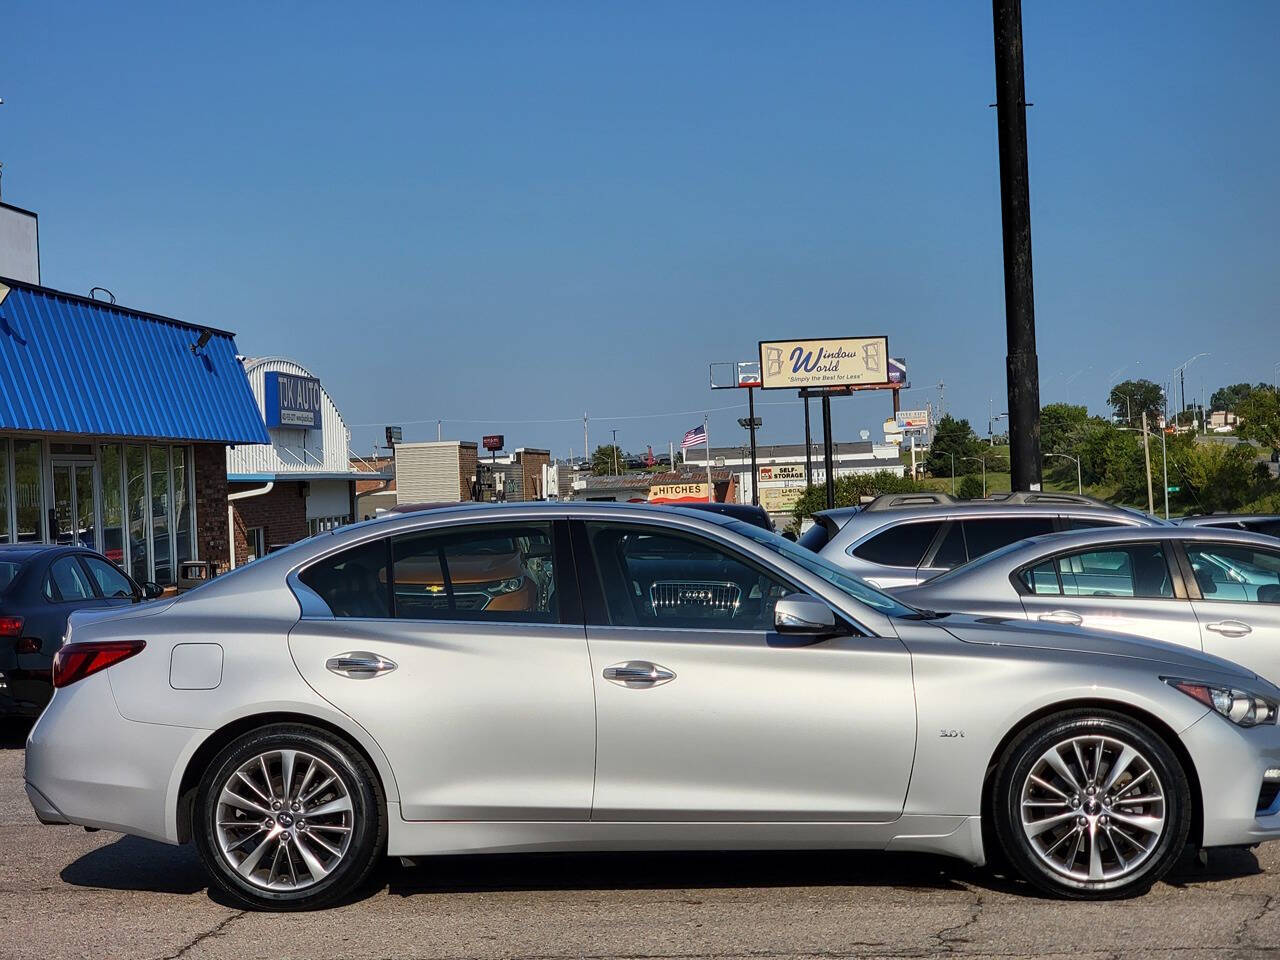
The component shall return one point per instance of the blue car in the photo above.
(40, 586)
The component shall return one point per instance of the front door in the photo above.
(463, 654)
(74, 516)
(1237, 602)
(704, 713)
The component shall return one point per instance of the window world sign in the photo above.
(839, 362)
(291, 401)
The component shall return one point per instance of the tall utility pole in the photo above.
(586, 447)
(616, 470)
(1023, 368)
(1146, 456)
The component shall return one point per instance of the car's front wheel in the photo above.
(289, 817)
(1091, 804)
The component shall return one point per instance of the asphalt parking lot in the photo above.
(67, 893)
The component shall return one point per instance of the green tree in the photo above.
(1226, 398)
(1259, 413)
(608, 460)
(1060, 426)
(1213, 476)
(1141, 395)
(952, 436)
(970, 488)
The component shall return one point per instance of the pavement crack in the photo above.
(949, 937)
(1268, 905)
(214, 931)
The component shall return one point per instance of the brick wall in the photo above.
(531, 464)
(467, 458)
(282, 514)
(211, 503)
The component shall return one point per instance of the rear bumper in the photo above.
(1230, 763)
(87, 765)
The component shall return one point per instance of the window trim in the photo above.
(1171, 561)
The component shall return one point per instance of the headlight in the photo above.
(1241, 707)
(505, 586)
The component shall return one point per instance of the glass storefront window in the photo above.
(136, 485)
(161, 539)
(182, 501)
(26, 490)
(4, 491)
(112, 505)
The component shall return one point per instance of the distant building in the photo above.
(302, 482)
(1222, 420)
(782, 468)
(672, 486)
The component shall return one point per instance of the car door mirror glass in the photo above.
(805, 616)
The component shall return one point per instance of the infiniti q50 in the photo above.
(600, 677)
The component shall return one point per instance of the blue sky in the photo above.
(502, 214)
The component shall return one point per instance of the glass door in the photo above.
(74, 518)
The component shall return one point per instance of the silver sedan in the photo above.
(1205, 588)
(599, 677)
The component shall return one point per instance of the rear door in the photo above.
(461, 649)
(891, 557)
(968, 538)
(1128, 587)
(1236, 598)
(730, 721)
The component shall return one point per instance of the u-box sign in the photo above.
(292, 401)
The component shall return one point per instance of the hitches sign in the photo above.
(677, 492)
(291, 401)
(842, 362)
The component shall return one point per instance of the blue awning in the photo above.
(78, 366)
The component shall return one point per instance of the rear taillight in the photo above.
(75, 661)
(11, 626)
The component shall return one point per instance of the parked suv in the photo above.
(900, 540)
(1268, 523)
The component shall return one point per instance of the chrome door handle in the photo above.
(1230, 628)
(1065, 617)
(638, 673)
(359, 665)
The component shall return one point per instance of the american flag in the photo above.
(694, 437)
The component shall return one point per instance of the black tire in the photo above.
(1131, 872)
(367, 828)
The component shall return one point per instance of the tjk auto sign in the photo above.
(840, 362)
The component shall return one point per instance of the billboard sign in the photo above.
(837, 362)
(493, 441)
(898, 372)
(781, 471)
(749, 373)
(289, 400)
(913, 421)
(395, 435)
(780, 499)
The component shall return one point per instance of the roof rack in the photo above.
(1040, 496)
(898, 501)
(895, 501)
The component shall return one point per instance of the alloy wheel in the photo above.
(284, 820)
(1093, 809)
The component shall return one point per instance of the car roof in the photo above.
(25, 551)
(1079, 539)
(1209, 519)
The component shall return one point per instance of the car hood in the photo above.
(1019, 633)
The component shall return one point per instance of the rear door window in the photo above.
(1235, 571)
(496, 573)
(67, 581)
(1041, 579)
(952, 551)
(902, 545)
(111, 582)
(982, 535)
(1139, 570)
(353, 583)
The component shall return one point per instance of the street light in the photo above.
(1164, 458)
(1079, 485)
(984, 472)
(1180, 377)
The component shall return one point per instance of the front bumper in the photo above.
(1230, 763)
(88, 765)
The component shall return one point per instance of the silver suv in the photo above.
(900, 540)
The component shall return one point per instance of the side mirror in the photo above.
(151, 590)
(801, 615)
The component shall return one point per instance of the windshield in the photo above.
(851, 585)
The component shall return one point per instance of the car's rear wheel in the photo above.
(289, 817)
(1091, 804)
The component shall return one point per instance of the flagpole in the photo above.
(706, 436)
